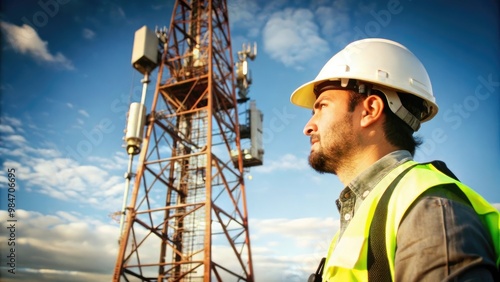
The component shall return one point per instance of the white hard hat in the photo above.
(386, 64)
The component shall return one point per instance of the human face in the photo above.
(331, 129)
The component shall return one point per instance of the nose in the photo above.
(310, 127)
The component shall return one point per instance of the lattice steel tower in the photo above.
(187, 216)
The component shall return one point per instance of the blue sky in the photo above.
(66, 83)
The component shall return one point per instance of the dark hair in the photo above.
(397, 132)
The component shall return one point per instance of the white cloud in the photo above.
(303, 230)
(44, 170)
(25, 40)
(11, 121)
(286, 162)
(335, 22)
(83, 113)
(14, 139)
(73, 247)
(69, 105)
(6, 129)
(88, 34)
(496, 205)
(242, 11)
(17, 146)
(295, 248)
(67, 180)
(292, 37)
(3, 179)
(45, 152)
(119, 161)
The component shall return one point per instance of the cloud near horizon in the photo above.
(53, 247)
(58, 243)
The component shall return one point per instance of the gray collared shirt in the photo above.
(441, 238)
(353, 195)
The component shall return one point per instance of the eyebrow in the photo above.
(318, 101)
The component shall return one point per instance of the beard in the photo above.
(336, 145)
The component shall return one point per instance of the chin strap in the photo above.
(398, 109)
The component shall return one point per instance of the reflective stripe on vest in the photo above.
(347, 259)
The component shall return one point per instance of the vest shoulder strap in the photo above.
(378, 264)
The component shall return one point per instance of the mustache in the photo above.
(314, 138)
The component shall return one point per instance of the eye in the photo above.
(322, 105)
(319, 105)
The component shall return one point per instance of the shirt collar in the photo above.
(371, 176)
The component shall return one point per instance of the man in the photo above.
(399, 220)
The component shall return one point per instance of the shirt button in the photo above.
(347, 216)
(365, 194)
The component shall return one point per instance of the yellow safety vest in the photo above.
(347, 258)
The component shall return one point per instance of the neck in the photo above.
(361, 160)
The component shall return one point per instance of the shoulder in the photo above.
(435, 236)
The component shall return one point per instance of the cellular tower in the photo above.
(186, 216)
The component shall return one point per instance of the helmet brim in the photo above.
(304, 97)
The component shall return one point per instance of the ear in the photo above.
(373, 108)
